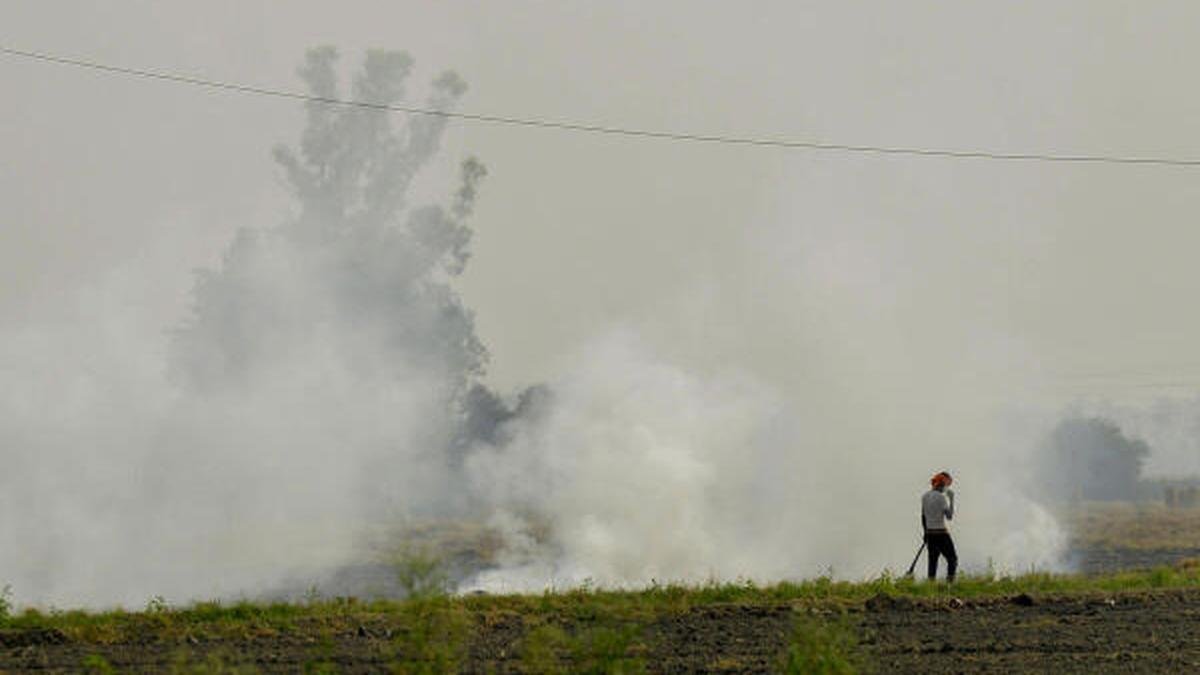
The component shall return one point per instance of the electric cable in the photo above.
(583, 127)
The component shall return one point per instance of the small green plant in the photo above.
(1161, 576)
(95, 663)
(432, 638)
(542, 648)
(157, 605)
(820, 647)
(420, 573)
(212, 664)
(607, 650)
(6, 604)
(321, 662)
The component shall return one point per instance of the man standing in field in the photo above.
(937, 507)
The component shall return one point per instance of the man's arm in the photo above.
(949, 504)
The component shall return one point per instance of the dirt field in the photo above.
(728, 639)
(1145, 632)
(1109, 560)
(1156, 632)
(1131, 526)
(1113, 537)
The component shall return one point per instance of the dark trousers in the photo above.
(940, 544)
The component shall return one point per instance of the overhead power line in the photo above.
(564, 125)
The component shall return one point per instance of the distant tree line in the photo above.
(1091, 458)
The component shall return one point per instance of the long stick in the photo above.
(916, 557)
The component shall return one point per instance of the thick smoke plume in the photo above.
(317, 385)
(643, 471)
(329, 379)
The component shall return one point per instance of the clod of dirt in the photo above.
(882, 603)
(32, 636)
(1023, 600)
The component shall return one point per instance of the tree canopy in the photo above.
(1091, 458)
(356, 275)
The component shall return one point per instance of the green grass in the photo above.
(822, 646)
(588, 629)
(216, 620)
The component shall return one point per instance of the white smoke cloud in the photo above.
(119, 485)
(322, 382)
(311, 392)
(640, 470)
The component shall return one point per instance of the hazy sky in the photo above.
(800, 266)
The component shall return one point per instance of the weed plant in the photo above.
(821, 647)
(5, 602)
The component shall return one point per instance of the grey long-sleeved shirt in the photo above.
(936, 509)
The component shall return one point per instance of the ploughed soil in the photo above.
(1144, 632)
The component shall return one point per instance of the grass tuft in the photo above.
(821, 647)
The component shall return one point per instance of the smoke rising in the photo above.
(314, 387)
(637, 470)
(329, 377)
(640, 471)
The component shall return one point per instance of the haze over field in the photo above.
(744, 361)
